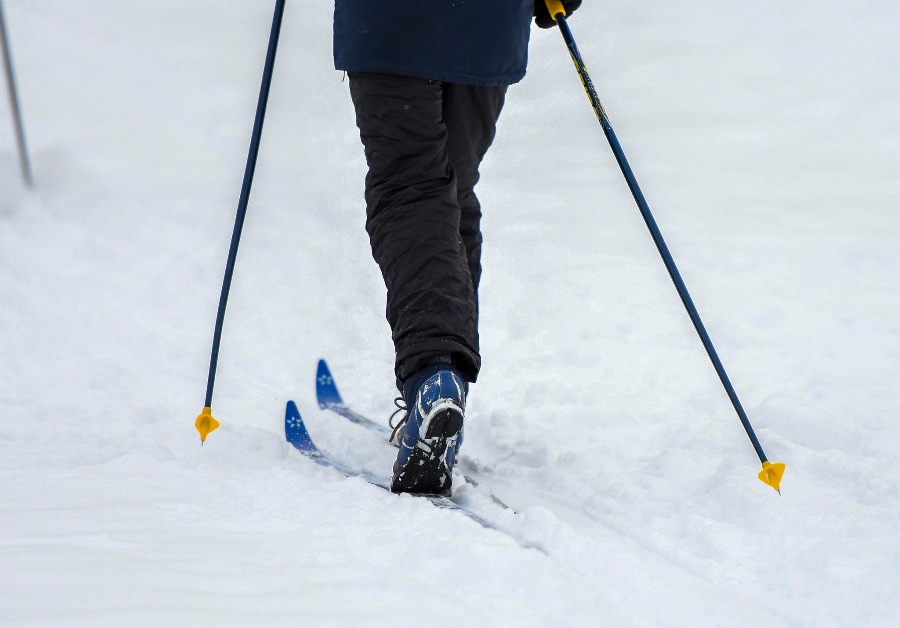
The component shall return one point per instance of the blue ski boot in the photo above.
(431, 433)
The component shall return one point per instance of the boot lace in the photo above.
(401, 408)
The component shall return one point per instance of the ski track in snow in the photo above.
(765, 139)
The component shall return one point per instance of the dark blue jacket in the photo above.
(477, 42)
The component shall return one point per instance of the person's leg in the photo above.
(413, 221)
(470, 114)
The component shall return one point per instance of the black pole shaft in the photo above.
(14, 101)
(245, 194)
(657, 235)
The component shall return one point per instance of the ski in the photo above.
(297, 435)
(329, 398)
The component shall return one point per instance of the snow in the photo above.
(764, 136)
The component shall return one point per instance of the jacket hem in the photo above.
(489, 80)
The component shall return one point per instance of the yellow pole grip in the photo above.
(556, 8)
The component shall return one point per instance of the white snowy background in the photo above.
(766, 138)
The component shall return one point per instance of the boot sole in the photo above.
(426, 472)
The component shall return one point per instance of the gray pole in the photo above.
(14, 101)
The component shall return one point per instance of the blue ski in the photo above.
(297, 435)
(330, 399)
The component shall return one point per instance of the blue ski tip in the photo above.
(295, 430)
(326, 390)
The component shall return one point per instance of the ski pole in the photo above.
(14, 101)
(205, 423)
(772, 472)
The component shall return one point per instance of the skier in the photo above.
(428, 81)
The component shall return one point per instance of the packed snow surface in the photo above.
(766, 138)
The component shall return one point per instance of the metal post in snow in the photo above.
(14, 101)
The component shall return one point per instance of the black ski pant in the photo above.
(424, 141)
